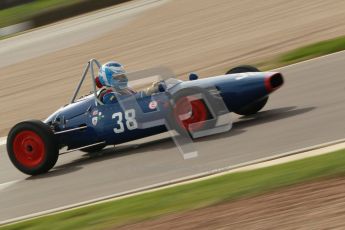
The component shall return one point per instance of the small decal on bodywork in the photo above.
(94, 121)
(153, 105)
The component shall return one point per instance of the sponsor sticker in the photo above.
(94, 121)
(95, 113)
(153, 105)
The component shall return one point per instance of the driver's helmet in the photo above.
(112, 74)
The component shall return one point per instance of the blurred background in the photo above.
(19, 15)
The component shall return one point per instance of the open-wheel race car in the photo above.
(191, 108)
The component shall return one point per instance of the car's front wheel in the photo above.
(191, 111)
(32, 147)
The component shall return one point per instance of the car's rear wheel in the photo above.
(32, 147)
(256, 106)
(252, 108)
(243, 69)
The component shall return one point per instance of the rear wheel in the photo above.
(252, 108)
(243, 69)
(32, 147)
(256, 106)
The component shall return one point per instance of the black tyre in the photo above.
(93, 149)
(256, 106)
(252, 108)
(243, 69)
(32, 147)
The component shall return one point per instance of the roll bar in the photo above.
(89, 66)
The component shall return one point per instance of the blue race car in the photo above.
(191, 108)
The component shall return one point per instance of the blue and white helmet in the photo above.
(112, 74)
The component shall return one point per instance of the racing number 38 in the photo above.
(130, 121)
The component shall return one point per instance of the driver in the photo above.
(112, 75)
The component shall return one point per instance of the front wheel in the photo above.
(32, 147)
(190, 111)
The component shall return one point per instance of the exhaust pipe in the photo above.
(273, 81)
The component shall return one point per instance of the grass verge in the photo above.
(25, 12)
(304, 53)
(192, 196)
(42, 12)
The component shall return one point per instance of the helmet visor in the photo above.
(120, 77)
(120, 81)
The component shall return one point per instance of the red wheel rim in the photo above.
(29, 149)
(190, 112)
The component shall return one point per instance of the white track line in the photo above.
(3, 140)
(7, 184)
(259, 163)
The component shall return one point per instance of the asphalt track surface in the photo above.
(308, 110)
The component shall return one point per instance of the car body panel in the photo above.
(236, 91)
